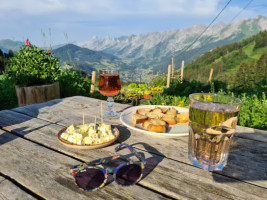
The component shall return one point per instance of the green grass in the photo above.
(248, 49)
(258, 53)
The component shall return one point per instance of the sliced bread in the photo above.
(170, 119)
(137, 118)
(155, 125)
(143, 111)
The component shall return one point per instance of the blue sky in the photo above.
(80, 20)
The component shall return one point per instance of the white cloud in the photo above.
(31, 7)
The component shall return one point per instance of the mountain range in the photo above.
(6, 45)
(152, 52)
(155, 50)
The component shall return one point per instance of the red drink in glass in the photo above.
(109, 85)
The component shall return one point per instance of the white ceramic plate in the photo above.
(172, 131)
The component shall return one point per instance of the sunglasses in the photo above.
(91, 176)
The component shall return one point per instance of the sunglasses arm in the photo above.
(95, 162)
(138, 155)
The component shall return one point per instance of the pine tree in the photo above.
(261, 69)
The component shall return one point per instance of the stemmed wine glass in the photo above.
(110, 85)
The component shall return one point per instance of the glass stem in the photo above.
(110, 101)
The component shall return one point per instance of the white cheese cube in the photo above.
(71, 139)
(70, 129)
(87, 140)
(64, 136)
(77, 135)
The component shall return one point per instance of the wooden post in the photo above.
(172, 68)
(169, 76)
(182, 71)
(211, 72)
(93, 83)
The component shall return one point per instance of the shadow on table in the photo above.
(151, 162)
(20, 115)
(124, 132)
(247, 161)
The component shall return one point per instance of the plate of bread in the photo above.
(169, 121)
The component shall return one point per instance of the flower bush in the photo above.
(33, 66)
(133, 91)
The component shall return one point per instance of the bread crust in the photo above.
(169, 119)
(155, 125)
(138, 119)
(143, 111)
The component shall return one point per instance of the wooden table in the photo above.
(34, 165)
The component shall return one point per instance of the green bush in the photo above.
(158, 81)
(33, 66)
(73, 83)
(170, 100)
(8, 98)
(253, 111)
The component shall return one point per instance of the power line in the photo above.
(241, 11)
(205, 29)
(230, 21)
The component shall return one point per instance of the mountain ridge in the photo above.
(85, 59)
(157, 48)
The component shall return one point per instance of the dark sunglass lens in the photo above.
(90, 178)
(128, 174)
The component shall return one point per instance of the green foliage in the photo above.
(158, 81)
(33, 66)
(73, 83)
(171, 100)
(4, 59)
(8, 98)
(251, 77)
(132, 85)
(184, 88)
(229, 61)
(253, 111)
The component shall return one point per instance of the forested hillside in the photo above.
(86, 59)
(241, 64)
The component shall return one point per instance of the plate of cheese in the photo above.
(88, 135)
(169, 121)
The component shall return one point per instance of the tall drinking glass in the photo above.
(110, 85)
(212, 121)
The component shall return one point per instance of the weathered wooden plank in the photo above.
(52, 110)
(68, 110)
(46, 173)
(247, 159)
(252, 134)
(180, 187)
(242, 153)
(8, 190)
